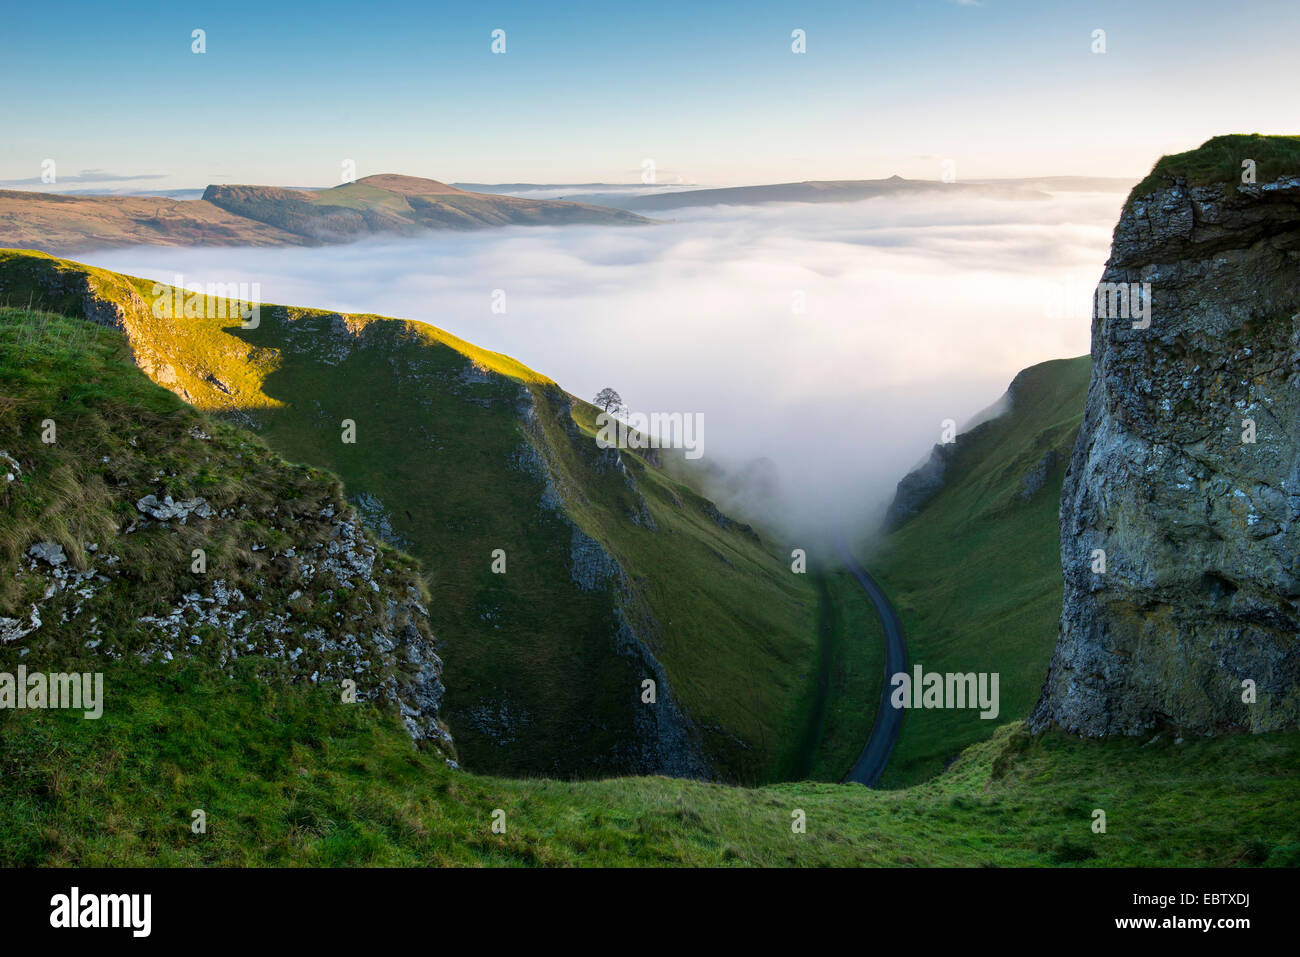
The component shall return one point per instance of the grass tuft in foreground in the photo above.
(291, 776)
(1218, 160)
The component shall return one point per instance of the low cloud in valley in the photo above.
(824, 344)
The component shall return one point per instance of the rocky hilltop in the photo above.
(382, 205)
(389, 204)
(1180, 512)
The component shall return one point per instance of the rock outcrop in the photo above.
(1186, 475)
(918, 487)
(665, 739)
(110, 553)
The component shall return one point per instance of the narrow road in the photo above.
(889, 720)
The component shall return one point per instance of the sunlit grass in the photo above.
(443, 429)
(1220, 159)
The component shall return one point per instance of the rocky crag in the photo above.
(1180, 512)
(137, 527)
(665, 739)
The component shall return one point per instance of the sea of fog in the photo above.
(824, 345)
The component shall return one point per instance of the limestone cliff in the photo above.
(1186, 473)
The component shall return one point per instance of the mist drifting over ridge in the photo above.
(823, 345)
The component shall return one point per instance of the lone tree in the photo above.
(608, 401)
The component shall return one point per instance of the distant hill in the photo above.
(404, 205)
(62, 223)
(276, 216)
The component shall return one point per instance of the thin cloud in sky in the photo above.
(83, 178)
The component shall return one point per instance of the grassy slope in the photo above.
(53, 222)
(290, 776)
(1219, 159)
(118, 438)
(976, 575)
(533, 684)
(361, 208)
(758, 654)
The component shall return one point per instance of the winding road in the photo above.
(889, 720)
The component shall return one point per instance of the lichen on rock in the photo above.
(1186, 475)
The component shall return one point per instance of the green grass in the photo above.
(740, 640)
(976, 575)
(290, 776)
(534, 684)
(1218, 160)
(118, 437)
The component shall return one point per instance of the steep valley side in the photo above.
(615, 572)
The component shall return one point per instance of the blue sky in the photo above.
(588, 91)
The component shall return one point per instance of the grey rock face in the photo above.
(378, 519)
(591, 567)
(385, 645)
(917, 487)
(1200, 525)
(666, 740)
(166, 510)
(49, 552)
(11, 629)
(723, 522)
(1037, 477)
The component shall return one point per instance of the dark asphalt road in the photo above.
(889, 720)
